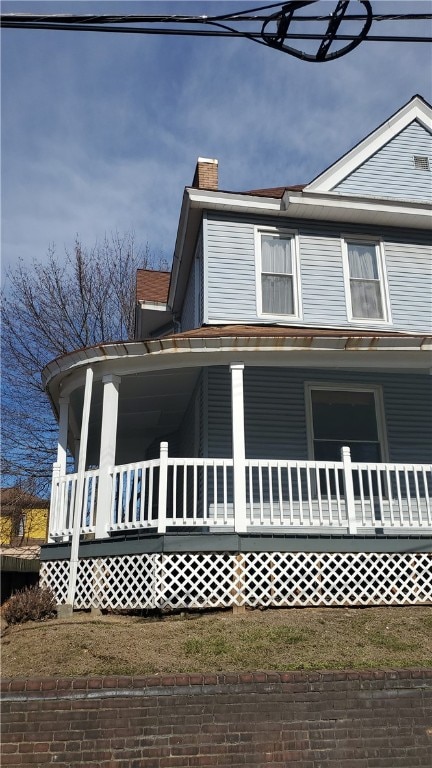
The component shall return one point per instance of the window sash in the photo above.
(366, 299)
(277, 275)
(344, 416)
(365, 281)
(277, 294)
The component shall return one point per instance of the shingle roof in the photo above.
(152, 285)
(13, 497)
(274, 191)
(239, 331)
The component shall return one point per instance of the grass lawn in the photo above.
(284, 639)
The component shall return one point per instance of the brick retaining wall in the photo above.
(367, 719)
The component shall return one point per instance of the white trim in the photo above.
(205, 412)
(79, 493)
(335, 386)
(197, 268)
(155, 306)
(204, 277)
(179, 247)
(107, 451)
(231, 201)
(238, 446)
(295, 256)
(211, 160)
(382, 274)
(416, 109)
(333, 206)
(406, 353)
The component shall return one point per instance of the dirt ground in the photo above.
(284, 639)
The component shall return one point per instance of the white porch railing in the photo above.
(342, 495)
(283, 496)
(62, 505)
(393, 495)
(134, 502)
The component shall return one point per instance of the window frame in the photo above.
(335, 386)
(382, 279)
(293, 236)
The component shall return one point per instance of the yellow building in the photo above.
(23, 518)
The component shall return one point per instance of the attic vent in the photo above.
(421, 163)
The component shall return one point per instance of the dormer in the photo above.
(152, 314)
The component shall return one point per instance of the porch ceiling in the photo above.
(151, 406)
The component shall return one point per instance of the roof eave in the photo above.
(60, 375)
(194, 203)
(333, 206)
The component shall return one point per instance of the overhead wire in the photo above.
(226, 32)
(108, 23)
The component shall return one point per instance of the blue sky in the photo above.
(101, 132)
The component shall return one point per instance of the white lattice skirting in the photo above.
(170, 581)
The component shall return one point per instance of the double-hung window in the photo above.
(277, 289)
(365, 281)
(346, 416)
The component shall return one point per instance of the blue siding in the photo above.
(275, 417)
(191, 316)
(188, 436)
(230, 261)
(231, 280)
(390, 172)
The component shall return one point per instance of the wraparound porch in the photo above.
(168, 493)
(215, 446)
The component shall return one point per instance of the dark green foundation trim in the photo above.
(232, 542)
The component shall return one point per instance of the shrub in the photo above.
(30, 604)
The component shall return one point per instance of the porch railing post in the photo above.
(349, 489)
(239, 452)
(54, 500)
(163, 488)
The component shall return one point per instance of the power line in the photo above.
(21, 18)
(274, 32)
(214, 33)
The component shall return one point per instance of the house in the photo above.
(23, 528)
(266, 438)
(23, 518)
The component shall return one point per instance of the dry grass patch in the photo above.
(284, 639)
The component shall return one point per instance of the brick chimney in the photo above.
(206, 174)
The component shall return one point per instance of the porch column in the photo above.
(111, 385)
(238, 440)
(78, 505)
(63, 434)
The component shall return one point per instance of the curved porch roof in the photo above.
(255, 345)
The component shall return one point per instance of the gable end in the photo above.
(400, 169)
(417, 112)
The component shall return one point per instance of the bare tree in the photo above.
(83, 297)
